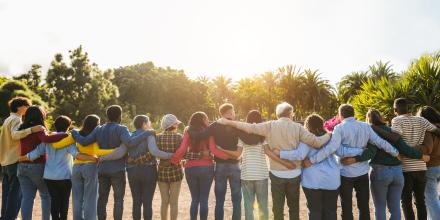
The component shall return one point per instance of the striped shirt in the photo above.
(253, 162)
(412, 129)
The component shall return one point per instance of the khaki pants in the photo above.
(170, 196)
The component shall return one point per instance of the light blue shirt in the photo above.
(322, 175)
(59, 162)
(355, 134)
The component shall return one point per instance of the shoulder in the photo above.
(214, 125)
(397, 119)
(122, 127)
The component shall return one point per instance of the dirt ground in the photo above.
(184, 203)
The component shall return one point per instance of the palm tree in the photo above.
(350, 84)
(222, 89)
(318, 91)
(291, 82)
(423, 76)
(381, 69)
(271, 93)
(203, 79)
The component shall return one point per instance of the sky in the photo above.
(235, 38)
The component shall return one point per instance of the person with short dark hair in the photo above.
(111, 174)
(30, 173)
(9, 141)
(58, 169)
(346, 111)
(413, 130)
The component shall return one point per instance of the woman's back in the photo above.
(323, 174)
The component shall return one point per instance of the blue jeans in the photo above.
(142, 180)
(252, 189)
(431, 194)
(223, 173)
(85, 191)
(199, 181)
(31, 180)
(11, 194)
(386, 189)
(116, 181)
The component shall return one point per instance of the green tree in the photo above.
(145, 88)
(222, 89)
(3, 80)
(423, 77)
(291, 84)
(32, 78)
(350, 84)
(419, 84)
(14, 88)
(381, 69)
(80, 88)
(379, 95)
(319, 94)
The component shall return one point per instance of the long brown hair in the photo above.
(254, 116)
(197, 123)
(375, 118)
(34, 116)
(90, 122)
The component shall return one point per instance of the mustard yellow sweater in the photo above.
(92, 149)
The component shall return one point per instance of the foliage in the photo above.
(378, 95)
(350, 84)
(145, 88)
(420, 84)
(14, 88)
(80, 88)
(423, 77)
(77, 87)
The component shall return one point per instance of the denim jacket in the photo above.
(110, 136)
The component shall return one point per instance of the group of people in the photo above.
(329, 159)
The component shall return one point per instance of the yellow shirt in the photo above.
(92, 149)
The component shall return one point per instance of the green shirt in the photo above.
(378, 156)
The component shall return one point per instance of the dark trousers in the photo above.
(361, 185)
(142, 180)
(59, 191)
(11, 193)
(322, 204)
(285, 189)
(415, 182)
(117, 182)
